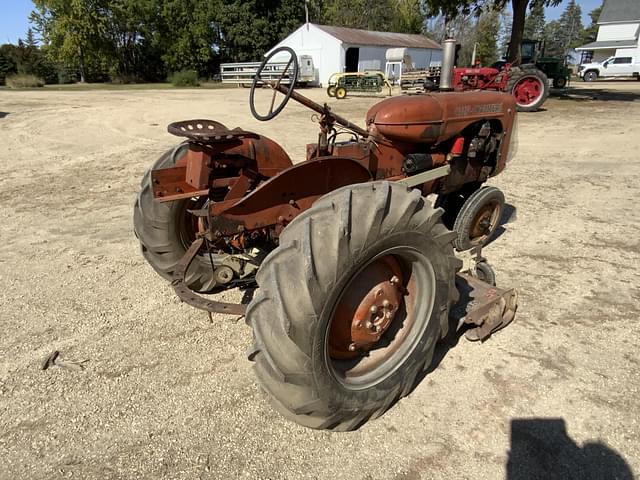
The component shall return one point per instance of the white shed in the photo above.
(340, 49)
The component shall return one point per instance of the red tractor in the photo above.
(528, 84)
(357, 273)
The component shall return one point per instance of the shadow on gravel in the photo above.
(601, 94)
(3, 114)
(542, 449)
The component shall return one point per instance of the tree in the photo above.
(535, 22)
(571, 24)
(487, 32)
(453, 8)
(591, 32)
(554, 39)
(505, 32)
(72, 30)
(7, 65)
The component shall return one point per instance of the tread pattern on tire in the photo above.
(294, 282)
(153, 224)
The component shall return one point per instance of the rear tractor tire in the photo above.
(351, 304)
(166, 230)
(331, 90)
(529, 86)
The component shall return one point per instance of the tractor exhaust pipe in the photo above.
(448, 60)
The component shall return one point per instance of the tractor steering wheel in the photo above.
(258, 82)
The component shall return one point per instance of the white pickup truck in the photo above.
(611, 67)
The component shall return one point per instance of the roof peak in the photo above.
(357, 36)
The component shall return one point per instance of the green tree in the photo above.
(554, 39)
(590, 33)
(571, 24)
(73, 31)
(453, 8)
(535, 22)
(7, 65)
(487, 32)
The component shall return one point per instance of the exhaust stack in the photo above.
(448, 59)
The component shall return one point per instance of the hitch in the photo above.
(189, 296)
(486, 307)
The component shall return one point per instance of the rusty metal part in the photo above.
(484, 306)
(189, 296)
(170, 184)
(270, 203)
(206, 131)
(366, 309)
(484, 221)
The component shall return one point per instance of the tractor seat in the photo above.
(207, 131)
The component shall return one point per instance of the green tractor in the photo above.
(532, 55)
(532, 52)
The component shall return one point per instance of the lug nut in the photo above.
(386, 303)
(373, 309)
(368, 325)
(394, 280)
(352, 347)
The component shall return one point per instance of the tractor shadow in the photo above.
(599, 94)
(542, 449)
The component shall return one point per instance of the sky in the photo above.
(14, 16)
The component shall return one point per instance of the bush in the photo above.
(20, 80)
(185, 78)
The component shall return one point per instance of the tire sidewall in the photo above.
(332, 390)
(468, 212)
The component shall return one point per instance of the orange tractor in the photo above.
(356, 270)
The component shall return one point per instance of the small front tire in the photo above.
(478, 218)
(341, 93)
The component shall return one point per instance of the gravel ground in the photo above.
(159, 392)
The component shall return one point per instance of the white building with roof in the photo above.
(618, 32)
(340, 49)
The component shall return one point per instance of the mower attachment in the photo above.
(189, 296)
(487, 307)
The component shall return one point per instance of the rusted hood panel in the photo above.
(433, 118)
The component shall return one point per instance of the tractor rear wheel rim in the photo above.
(484, 223)
(528, 90)
(365, 345)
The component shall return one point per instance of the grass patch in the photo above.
(81, 87)
(19, 80)
(185, 78)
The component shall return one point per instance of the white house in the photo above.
(618, 29)
(339, 49)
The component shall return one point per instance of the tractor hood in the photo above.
(436, 117)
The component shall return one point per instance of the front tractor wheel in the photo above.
(530, 88)
(351, 304)
(166, 230)
(478, 218)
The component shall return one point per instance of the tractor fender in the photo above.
(281, 198)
